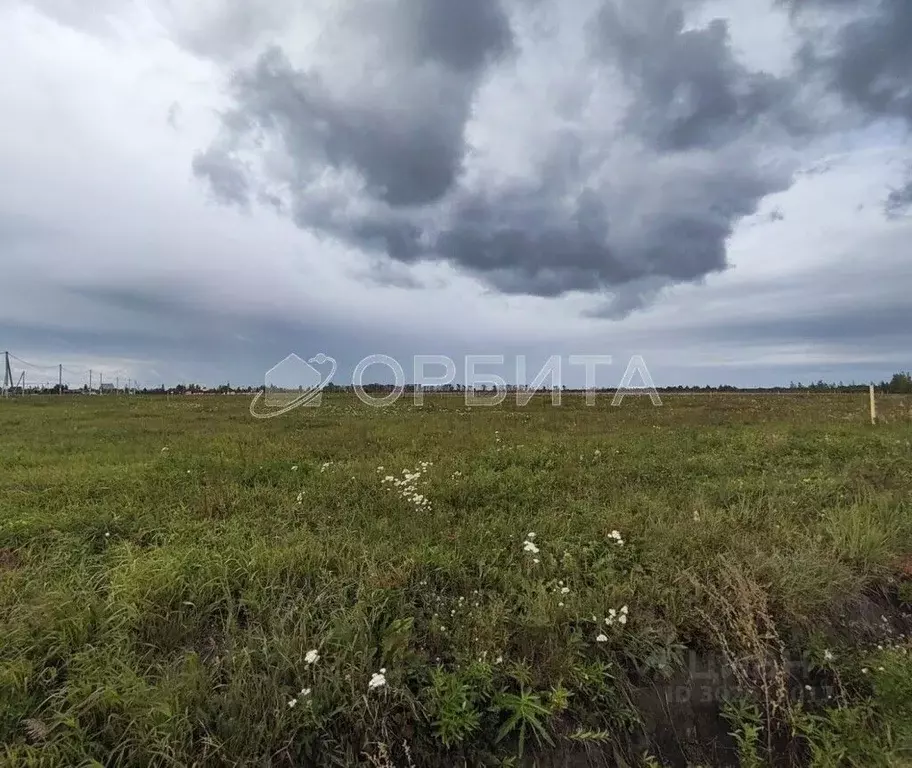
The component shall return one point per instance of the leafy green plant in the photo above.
(451, 702)
(746, 719)
(525, 714)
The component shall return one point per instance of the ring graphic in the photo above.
(293, 383)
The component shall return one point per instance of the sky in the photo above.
(193, 191)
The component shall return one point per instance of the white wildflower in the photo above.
(378, 680)
(535, 560)
(565, 590)
(530, 535)
(529, 546)
(602, 638)
(107, 534)
(294, 468)
(304, 692)
(312, 657)
(622, 619)
(560, 605)
(292, 704)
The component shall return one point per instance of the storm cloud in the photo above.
(690, 91)
(663, 148)
(861, 49)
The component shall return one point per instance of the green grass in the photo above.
(161, 583)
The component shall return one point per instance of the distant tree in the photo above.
(900, 384)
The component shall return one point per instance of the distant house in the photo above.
(107, 387)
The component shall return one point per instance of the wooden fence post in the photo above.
(873, 405)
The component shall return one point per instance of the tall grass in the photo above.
(166, 567)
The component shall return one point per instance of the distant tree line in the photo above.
(899, 384)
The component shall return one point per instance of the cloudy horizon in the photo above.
(192, 192)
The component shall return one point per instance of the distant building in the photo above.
(107, 387)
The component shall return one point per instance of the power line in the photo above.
(32, 365)
(39, 371)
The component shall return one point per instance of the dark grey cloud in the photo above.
(700, 122)
(582, 223)
(405, 137)
(865, 54)
(227, 177)
(672, 226)
(461, 35)
(404, 159)
(691, 91)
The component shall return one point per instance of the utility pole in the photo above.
(100, 383)
(117, 383)
(60, 378)
(7, 375)
(90, 379)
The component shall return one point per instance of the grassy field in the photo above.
(722, 579)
